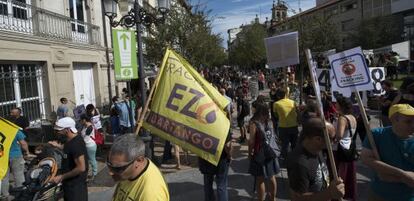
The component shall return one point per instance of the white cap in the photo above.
(66, 122)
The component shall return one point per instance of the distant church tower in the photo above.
(279, 12)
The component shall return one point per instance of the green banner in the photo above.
(125, 54)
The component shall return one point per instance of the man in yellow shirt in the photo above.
(286, 111)
(139, 179)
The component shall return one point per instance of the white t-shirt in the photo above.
(346, 139)
(87, 133)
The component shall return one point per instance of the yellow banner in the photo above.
(7, 133)
(187, 110)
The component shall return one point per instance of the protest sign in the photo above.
(282, 50)
(350, 70)
(8, 132)
(323, 78)
(351, 74)
(377, 76)
(187, 110)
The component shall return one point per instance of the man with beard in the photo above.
(17, 118)
(74, 168)
(139, 179)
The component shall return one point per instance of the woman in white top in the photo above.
(88, 134)
(94, 115)
(345, 130)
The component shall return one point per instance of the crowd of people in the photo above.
(280, 129)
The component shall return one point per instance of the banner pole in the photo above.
(366, 124)
(325, 132)
(155, 85)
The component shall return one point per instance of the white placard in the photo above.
(350, 70)
(282, 50)
(323, 78)
(377, 75)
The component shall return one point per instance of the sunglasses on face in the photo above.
(118, 169)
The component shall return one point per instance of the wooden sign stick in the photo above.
(154, 86)
(366, 124)
(325, 133)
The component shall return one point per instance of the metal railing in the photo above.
(21, 85)
(20, 17)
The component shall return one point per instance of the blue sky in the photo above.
(228, 14)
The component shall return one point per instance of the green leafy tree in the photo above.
(248, 50)
(316, 32)
(190, 35)
(378, 32)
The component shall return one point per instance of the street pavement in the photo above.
(187, 184)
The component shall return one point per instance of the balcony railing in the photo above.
(24, 18)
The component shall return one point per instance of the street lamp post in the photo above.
(137, 17)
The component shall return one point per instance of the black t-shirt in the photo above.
(21, 121)
(71, 150)
(389, 96)
(306, 172)
(245, 108)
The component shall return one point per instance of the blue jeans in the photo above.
(221, 182)
(92, 158)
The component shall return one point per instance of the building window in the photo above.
(347, 25)
(349, 6)
(26, 80)
(330, 12)
(77, 14)
(18, 8)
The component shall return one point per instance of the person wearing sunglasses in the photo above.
(139, 179)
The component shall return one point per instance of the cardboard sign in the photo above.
(282, 50)
(187, 110)
(323, 78)
(350, 70)
(377, 76)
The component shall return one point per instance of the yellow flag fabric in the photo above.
(187, 110)
(8, 132)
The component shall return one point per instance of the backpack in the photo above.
(268, 148)
(351, 154)
(99, 138)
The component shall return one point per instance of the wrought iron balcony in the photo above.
(16, 16)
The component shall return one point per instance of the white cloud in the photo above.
(236, 1)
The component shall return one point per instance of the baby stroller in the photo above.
(40, 171)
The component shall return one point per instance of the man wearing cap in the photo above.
(74, 168)
(394, 170)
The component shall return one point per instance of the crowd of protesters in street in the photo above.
(280, 128)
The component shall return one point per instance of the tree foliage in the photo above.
(190, 34)
(317, 33)
(378, 32)
(248, 50)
